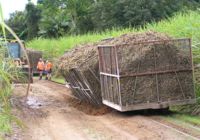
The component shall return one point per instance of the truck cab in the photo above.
(16, 53)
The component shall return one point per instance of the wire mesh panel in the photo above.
(81, 86)
(108, 75)
(152, 74)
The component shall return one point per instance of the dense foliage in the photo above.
(55, 18)
(32, 17)
(16, 23)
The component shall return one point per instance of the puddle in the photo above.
(34, 102)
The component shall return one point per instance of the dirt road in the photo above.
(52, 114)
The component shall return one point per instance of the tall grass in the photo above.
(8, 73)
(179, 26)
(57, 47)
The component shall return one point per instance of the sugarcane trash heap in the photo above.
(125, 55)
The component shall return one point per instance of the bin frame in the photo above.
(106, 77)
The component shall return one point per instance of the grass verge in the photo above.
(195, 120)
(58, 80)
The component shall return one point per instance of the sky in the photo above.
(10, 6)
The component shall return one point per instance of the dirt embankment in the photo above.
(52, 114)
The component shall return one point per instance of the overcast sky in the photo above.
(10, 6)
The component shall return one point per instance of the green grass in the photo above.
(195, 120)
(58, 80)
(57, 47)
(179, 26)
(8, 72)
(5, 123)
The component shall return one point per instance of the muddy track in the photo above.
(53, 114)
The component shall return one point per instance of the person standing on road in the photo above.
(48, 70)
(40, 67)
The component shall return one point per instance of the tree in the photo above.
(56, 18)
(17, 23)
(104, 14)
(128, 13)
(54, 21)
(32, 20)
(63, 17)
(78, 12)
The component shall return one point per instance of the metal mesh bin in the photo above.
(147, 75)
(85, 84)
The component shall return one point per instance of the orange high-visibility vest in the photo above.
(48, 66)
(40, 65)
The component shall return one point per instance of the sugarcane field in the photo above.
(99, 70)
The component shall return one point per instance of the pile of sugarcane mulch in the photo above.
(80, 67)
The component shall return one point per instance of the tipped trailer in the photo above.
(147, 75)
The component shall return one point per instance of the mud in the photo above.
(87, 108)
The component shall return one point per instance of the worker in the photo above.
(48, 70)
(40, 67)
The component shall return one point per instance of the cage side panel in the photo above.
(108, 60)
(136, 90)
(107, 70)
(113, 71)
(144, 84)
(110, 89)
(114, 59)
(116, 91)
(150, 73)
(92, 85)
(101, 69)
(105, 87)
(108, 65)
(171, 87)
(103, 92)
(81, 87)
(126, 58)
(176, 86)
(186, 80)
(159, 56)
(71, 78)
